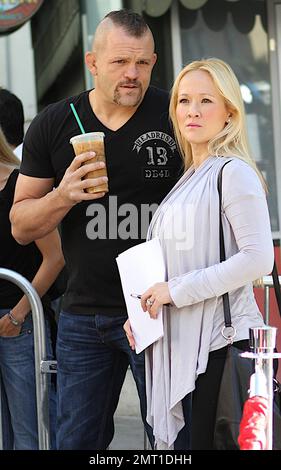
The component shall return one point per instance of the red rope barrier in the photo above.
(252, 434)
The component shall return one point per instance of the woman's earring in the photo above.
(228, 119)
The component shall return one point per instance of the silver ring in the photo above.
(229, 333)
(149, 302)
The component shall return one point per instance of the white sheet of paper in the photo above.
(140, 267)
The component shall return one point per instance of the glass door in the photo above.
(238, 32)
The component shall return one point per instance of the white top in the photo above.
(187, 224)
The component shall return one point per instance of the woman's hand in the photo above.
(129, 334)
(156, 296)
(7, 328)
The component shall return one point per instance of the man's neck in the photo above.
(112, 115)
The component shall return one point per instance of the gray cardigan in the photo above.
(187, 224)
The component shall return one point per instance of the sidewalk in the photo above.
(129, 430)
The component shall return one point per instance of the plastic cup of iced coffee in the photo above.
(92, 142)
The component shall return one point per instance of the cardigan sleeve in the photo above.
(245, 207)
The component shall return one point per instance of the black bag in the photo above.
(235, 382)
(232, 396)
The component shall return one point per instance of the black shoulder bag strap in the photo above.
(225, 297)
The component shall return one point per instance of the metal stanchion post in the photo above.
(39, 354)
(263, 340)
(266, 304)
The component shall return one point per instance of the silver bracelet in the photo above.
(14, 321)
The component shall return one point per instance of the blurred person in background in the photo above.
(40, 262)
(12, 120)
(12, 125)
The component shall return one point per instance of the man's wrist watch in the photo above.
(14, 321)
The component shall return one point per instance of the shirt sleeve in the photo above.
(245, 207)
(36, 158)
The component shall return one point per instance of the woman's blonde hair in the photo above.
(233, 139)
(7, 156)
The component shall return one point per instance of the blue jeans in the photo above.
(93, 355)
(17, 379)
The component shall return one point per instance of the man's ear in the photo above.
(154, 58)
(90, 60)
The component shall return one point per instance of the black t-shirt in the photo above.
(24, 260)
(143, 165)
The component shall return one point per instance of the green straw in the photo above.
(77, 118)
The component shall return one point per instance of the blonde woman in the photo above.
(40, 263)
(208, 116)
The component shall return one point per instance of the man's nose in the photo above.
(131, 72)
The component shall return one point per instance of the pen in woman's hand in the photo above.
(136, 296)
